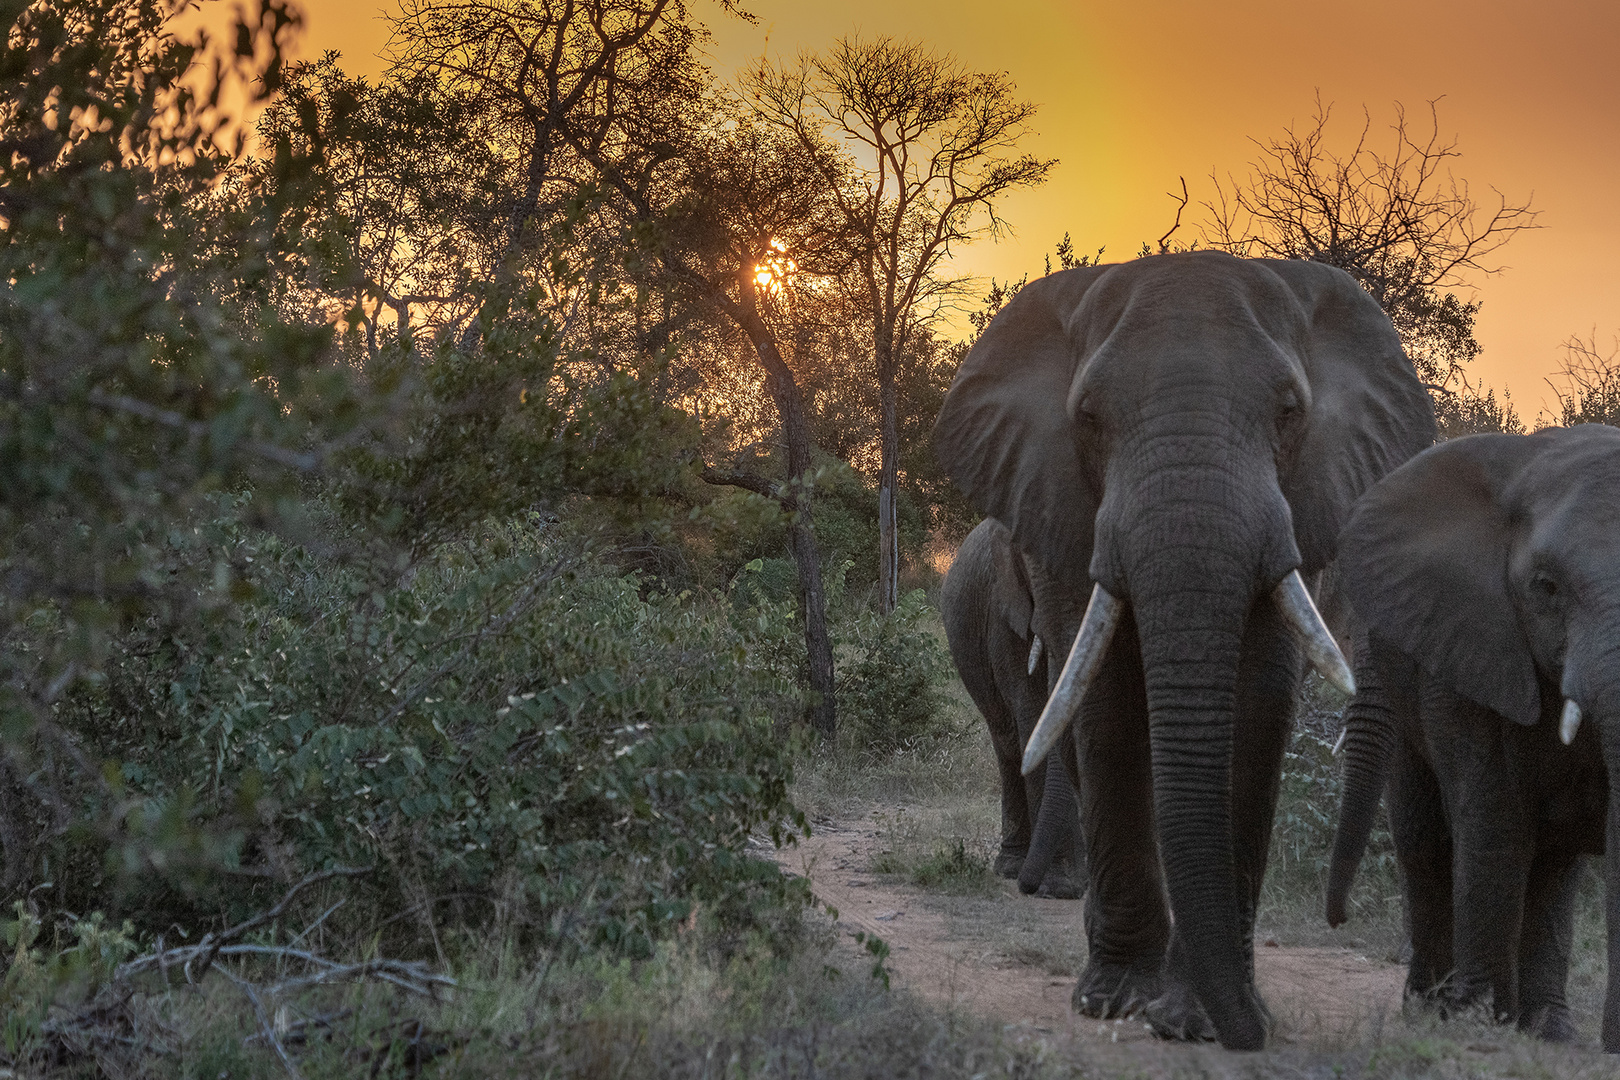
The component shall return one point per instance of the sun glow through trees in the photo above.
(773, 271)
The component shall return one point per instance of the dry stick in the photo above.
(266, 1026)
(210, 945)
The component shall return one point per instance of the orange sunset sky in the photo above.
(1135, 94)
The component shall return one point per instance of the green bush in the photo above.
(1311, 787)
(513, 736)
(891, 677)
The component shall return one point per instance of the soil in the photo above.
(1001, 955)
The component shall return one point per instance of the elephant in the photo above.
(1487, 571)
(1175, 443)
(989, 613)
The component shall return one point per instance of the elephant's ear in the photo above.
(1010, 593)
(1425, 563)
(1004, 433)
(1369, 413)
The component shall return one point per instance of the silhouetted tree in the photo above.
(915, 152)
(1398, 221)
(1591, 392)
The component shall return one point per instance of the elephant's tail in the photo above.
(1369, 740)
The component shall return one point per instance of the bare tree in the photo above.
(914, 151)
(1398, 221)
(1591, 391)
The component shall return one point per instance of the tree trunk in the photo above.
(784, 391)
(888, 481)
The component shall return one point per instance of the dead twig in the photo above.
(210, 947)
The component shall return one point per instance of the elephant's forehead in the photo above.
(1173, 303)
(1575, 481)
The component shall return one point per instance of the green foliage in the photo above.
(37, 976)
(1470, 413)
(952, 868)
(515, 732)
(891, 677)
(1311, 788)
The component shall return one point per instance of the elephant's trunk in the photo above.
(1056, 827)
(1369, 740)
(1592, 680)
(1191, 638)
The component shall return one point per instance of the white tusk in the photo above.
(1339, 743)
(1299, 612)
(1090, 646)
(1035, 650)
(1570, 722)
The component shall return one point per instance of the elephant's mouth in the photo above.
(1293, 602)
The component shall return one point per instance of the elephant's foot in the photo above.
(1108, 991)
(1176, 1014)
(1550, 1022)
(1010, 860)
(1062, 881)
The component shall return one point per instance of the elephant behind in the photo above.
(989, 613)
(1489, 571)
(1173, 442)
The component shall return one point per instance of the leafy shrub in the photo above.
(514, 735)
(891, 676)
(1311, 787)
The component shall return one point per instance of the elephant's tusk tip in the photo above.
(1570, 722)
(1299, 612)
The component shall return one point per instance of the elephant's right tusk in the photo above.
(1035, 650)
(1090, 646)
(1570, 722)
(1299, 612)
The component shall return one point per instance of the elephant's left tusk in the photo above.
(1299, 612)
(1035, 650)
(1570, 722)
(1090, 646)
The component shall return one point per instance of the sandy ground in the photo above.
(996, 959)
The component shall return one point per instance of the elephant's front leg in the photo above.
(1549, 927)
(1493, 847)
(1421, 829)
(1127, 914)
(1267, 688)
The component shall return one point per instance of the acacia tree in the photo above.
(1398, 221)
(914, 151)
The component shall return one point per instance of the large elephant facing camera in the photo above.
(987, 603)
(1174, 442)
(1488, 573)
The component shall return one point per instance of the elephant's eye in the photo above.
(1544, 586)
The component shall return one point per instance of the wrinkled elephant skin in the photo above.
(1488, 573)
(1181, 432)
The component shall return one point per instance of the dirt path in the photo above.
(974, 959)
